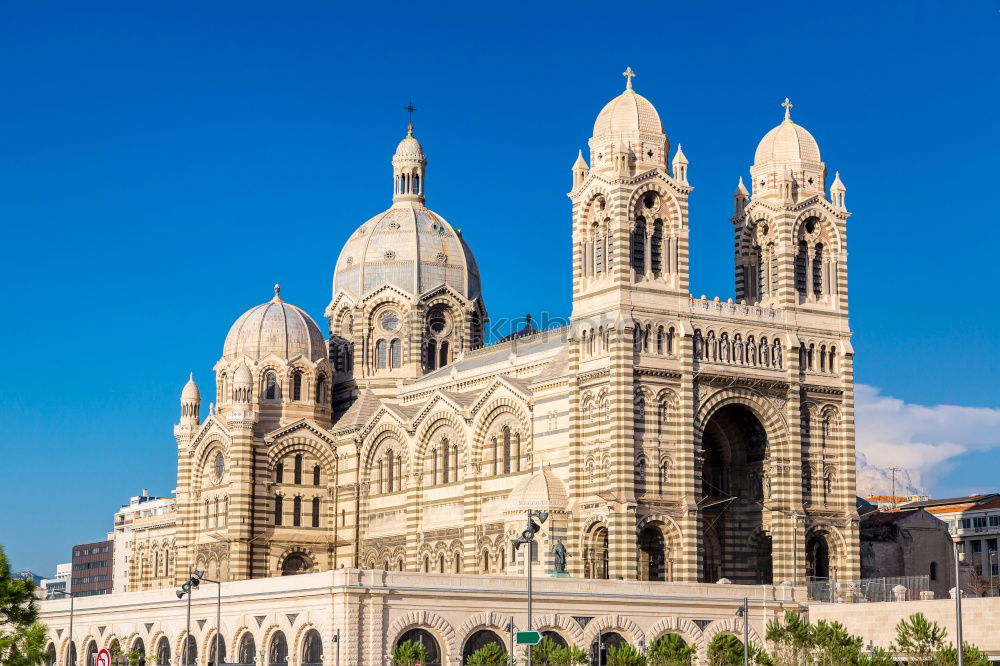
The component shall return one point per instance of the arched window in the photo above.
(639, 245)
(315, 475)
(321, 390)
(270, 386)
(506, 450)
(432, 355)
(444, 354)
(298, 468)
(396, 352)
(312, 649)
(315, 512)
(162, 651)
(390, 469)
(277, 651)
(427, 564)
(297, 511)
(659, 340)
(278, 508)
(216, 642)
(445, 462)
(380, 355)
(817, 272)
(296, 385)
(279, 473)
(656, 248)
(801, 259)
(247, 654)
(441, 563)
(458, 563)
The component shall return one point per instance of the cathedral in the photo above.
(668, 437)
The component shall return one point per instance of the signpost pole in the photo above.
(511, 628)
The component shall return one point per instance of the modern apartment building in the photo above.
(93, 566)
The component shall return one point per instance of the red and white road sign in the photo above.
(103, 658)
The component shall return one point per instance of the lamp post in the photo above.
(958, 608)
(218, 619)
(336, 641)
(70, 657)
(186, 589)
(528, 537)
(744, 612)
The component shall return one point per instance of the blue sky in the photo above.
(163, 164)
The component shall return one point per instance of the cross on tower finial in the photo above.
(409, 108)
(788, 109)
(629, 75)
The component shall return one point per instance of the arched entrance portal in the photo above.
(817, 558)
(734, 487)
(652, 554)
(480, 639)
(424, 638)
(601, 643)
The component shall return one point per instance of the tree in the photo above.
(409, 653)
(792, 639)
(918, 639)
(22, 636)
(727, 650)
(625, 655)
(971, 656)
(670, 650)
(550, 653)
(832, 645)
(491, 654)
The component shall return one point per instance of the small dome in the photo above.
(275, 327)
(541, 491)
(409, 147)
(191, 392)
(787, 142)
(627, 113)
(243, 375)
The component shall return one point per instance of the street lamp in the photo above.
(189, 585)
(70, 656)
(958, 605)
(744, 612)
(528, 537)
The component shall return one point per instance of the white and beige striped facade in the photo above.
(670, 438)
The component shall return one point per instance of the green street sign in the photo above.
(527, 638)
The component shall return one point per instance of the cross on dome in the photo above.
(409, 108)
(788, 109)
(629, 75)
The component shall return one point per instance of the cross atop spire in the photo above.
(409, 108)
(629, 75)
(788, 109)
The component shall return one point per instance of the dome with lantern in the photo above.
(408, 245)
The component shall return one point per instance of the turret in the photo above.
(680, 166)
(190, 403)
(740, 196)
(837, 192)
(409, 166)
(242, 385)
(580, 170)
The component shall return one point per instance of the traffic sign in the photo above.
(528, 638)
(103, 658)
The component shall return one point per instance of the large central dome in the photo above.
(409, 245)
(277, 328)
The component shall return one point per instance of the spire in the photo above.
(580, 170)
(277, 294)
(741, 188)
(740, 198)
(629, 75)
(788, 110)
(680, 165)
(837, 191)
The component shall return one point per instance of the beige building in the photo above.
(909, 542)
(670, 438)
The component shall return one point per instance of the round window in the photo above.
(390, 321)
(810, 226)
(220, 465)
(650, 200)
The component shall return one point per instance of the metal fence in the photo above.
(868, 590)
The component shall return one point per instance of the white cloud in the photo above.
(922, 440)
